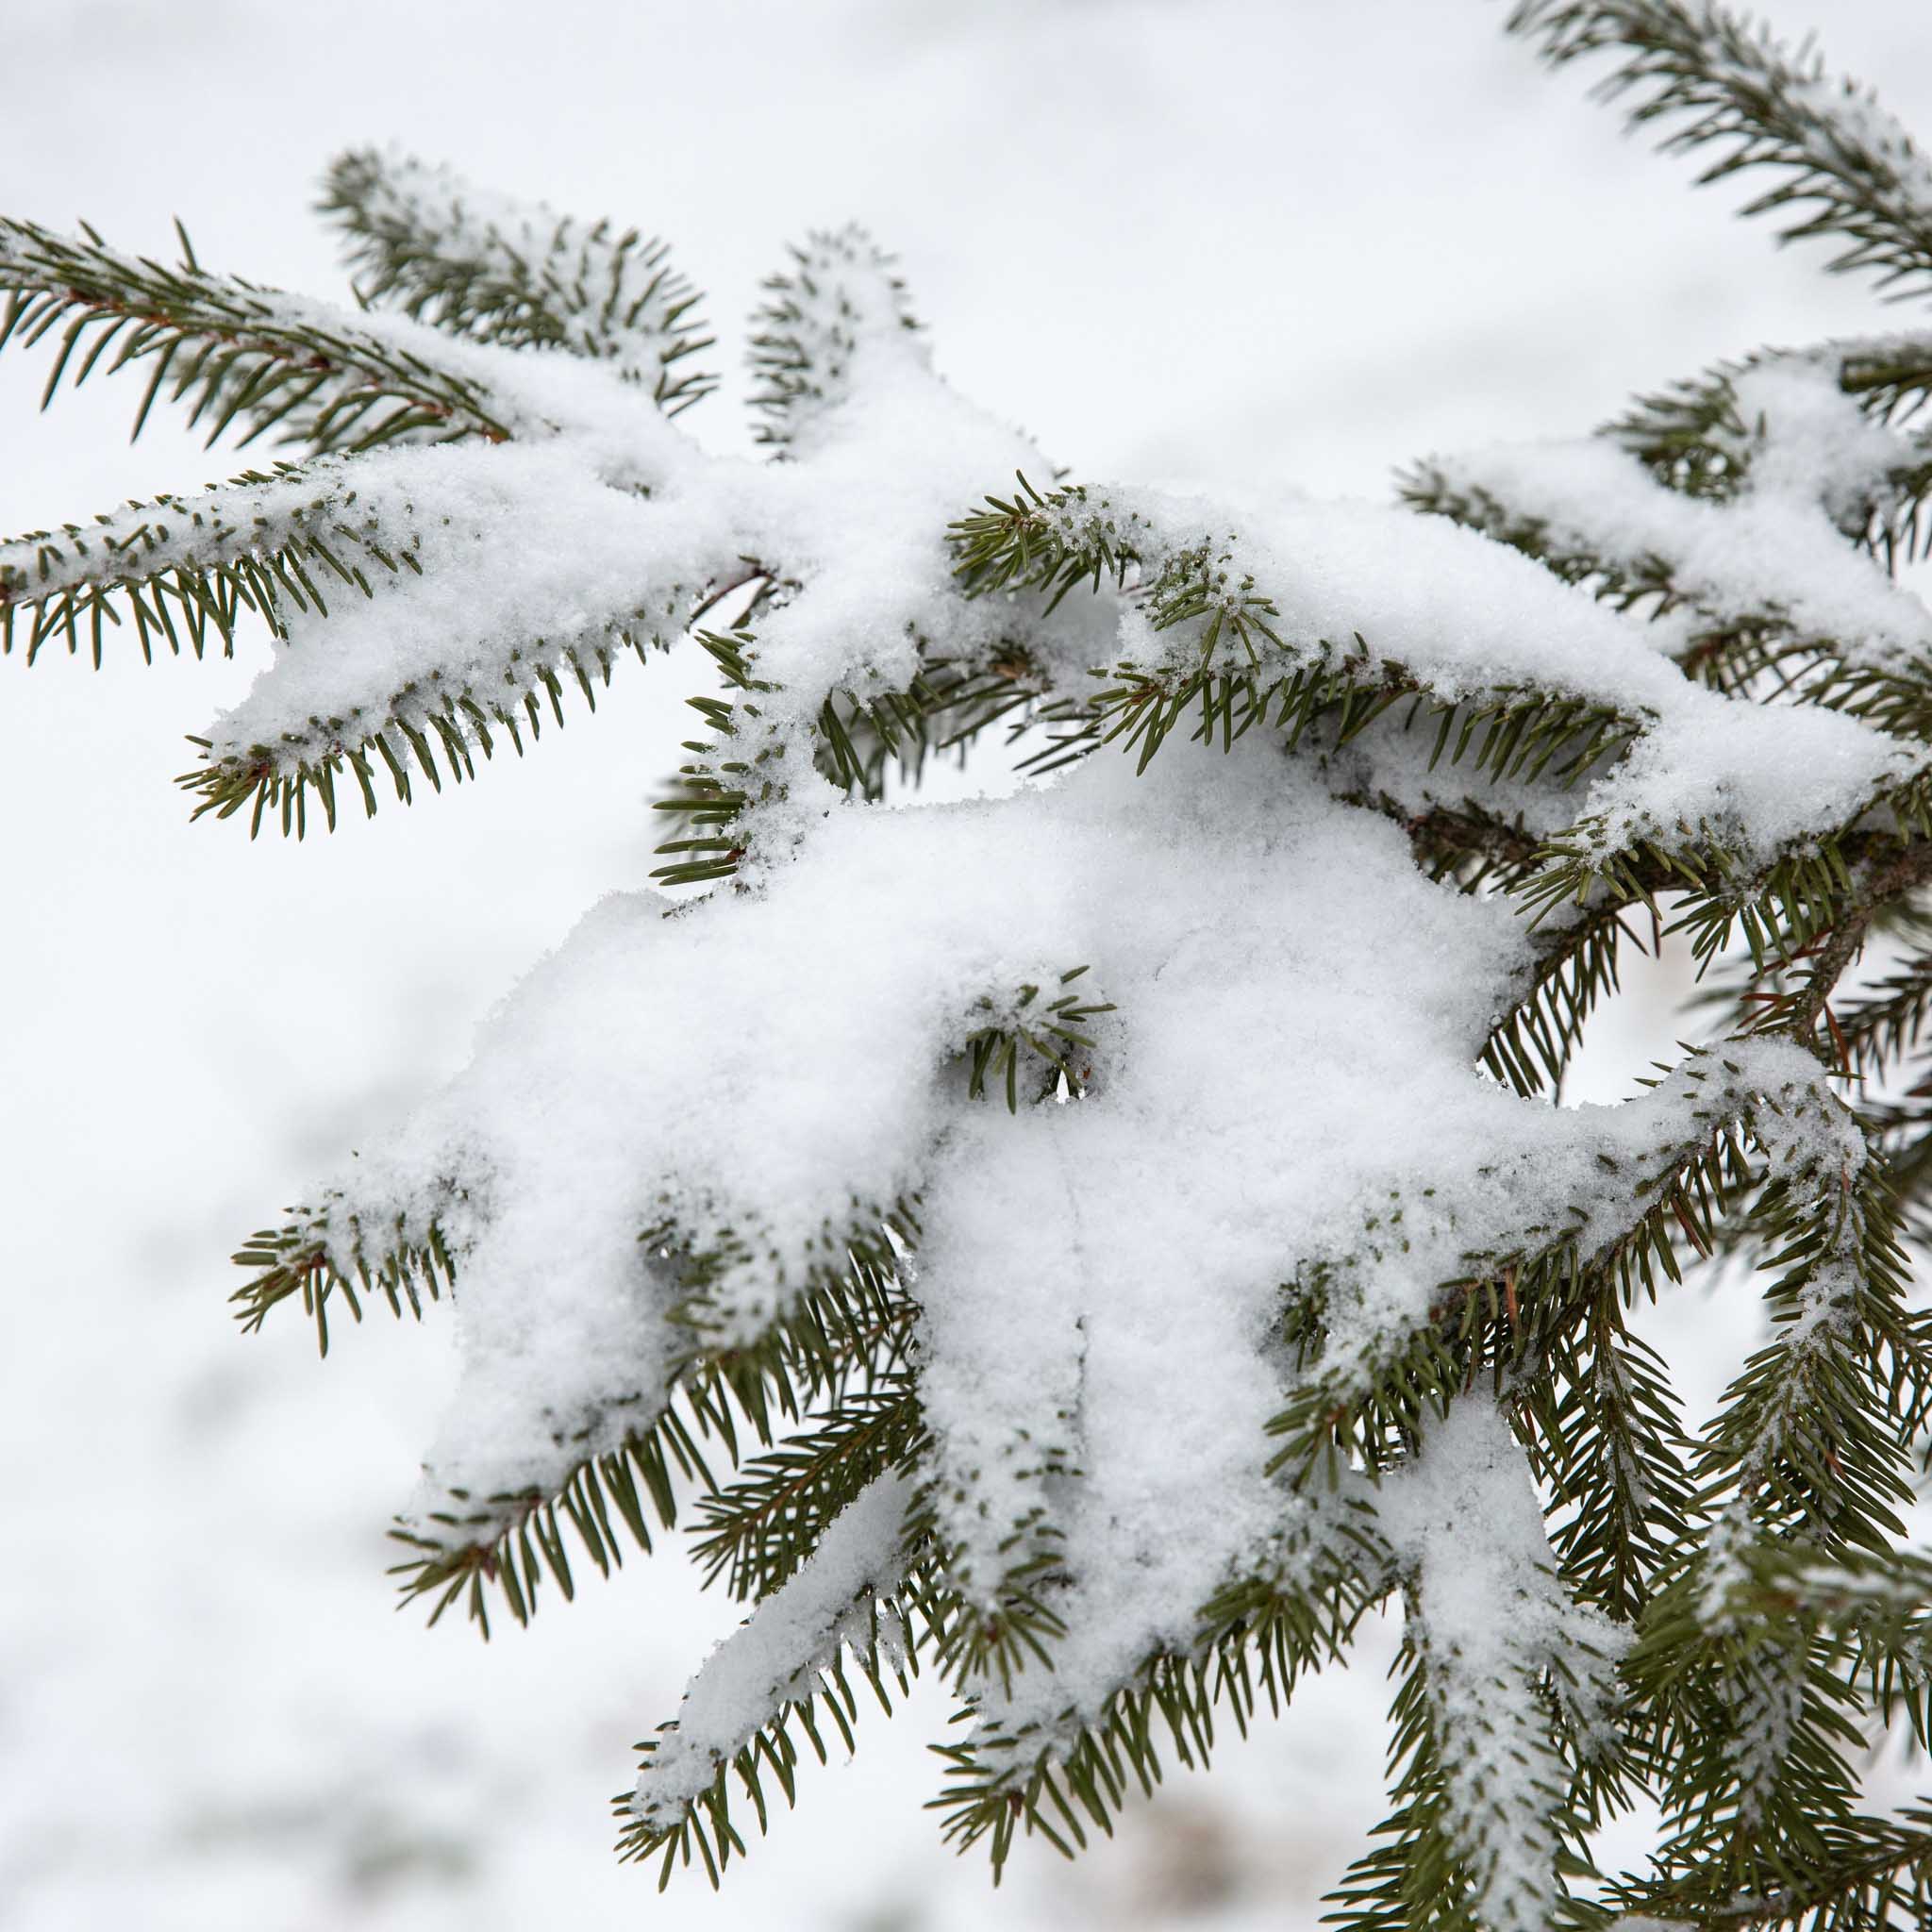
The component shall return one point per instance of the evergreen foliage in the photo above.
(1271, 1289)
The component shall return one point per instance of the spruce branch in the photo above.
(1808, 974)
(512, 1540)
(839, 1344)
(835, 1348)
(1696, 437)
(1815, 1435)
(1008, 1623)
(741, 771)
(271, 783)
(1505, 1751)
(1530, 1046)
(1754, 1718)
(1876, 1607)
(516, 274)
(1519, 1305)
(235, 351)
(837, 300)
(1641, 584)
(678, 1201)
(1605, 1432)
(856, 1603)
(1730, 631)
(1865, 1874)
(326, 1253)
(1229, 660)
(382, 697)
(945, 710)
(1255, 1638)
(1886, 1023)
(739, 766)
(1748, 1733)
(1801, 1430)
(188, 569)
(1846, 169)
(820, 1700)
(1429, 1869)
(1777, 903)
(1469, 845)
(758, 1529)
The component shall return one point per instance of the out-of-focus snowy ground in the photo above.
(1282, 244)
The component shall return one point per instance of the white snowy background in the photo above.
(1291, 242)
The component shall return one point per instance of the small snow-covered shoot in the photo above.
(1098, 1244)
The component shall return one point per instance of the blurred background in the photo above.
(1286, 244)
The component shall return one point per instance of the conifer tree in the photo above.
(1099, 1244)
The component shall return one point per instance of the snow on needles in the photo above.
(1473, 620)
(776, 1657)
(768, 1060)
(1496, 1626)
(1774, 557)
(1101, 1283)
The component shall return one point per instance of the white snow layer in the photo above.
(1773, 557)
(1472, 619)
(610, 521)
(1100, 1282)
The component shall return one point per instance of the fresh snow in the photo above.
(1101, 1281)
(1773, 556)
(1495, 1626)
(1255, 934)
(778, 1656)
